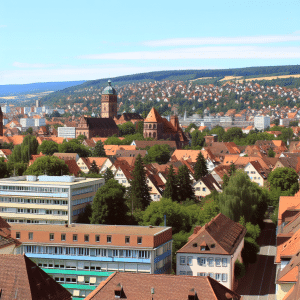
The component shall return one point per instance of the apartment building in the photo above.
(46, 199)
(212, 250)
(261, 122)
(81, 256)
(66, 132)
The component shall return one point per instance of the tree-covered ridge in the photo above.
(93, 88)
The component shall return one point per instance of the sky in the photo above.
(43, 41)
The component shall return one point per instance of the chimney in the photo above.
(119, 291)
(192, 295)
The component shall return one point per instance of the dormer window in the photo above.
(202, 248)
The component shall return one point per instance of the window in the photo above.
(190, 260)
(182, 260)
(108, 239)
(51, 235)
(203, 248)
(210, 262)
(224, 277)
(190, 273)
(63, 237)
(218, 276)
(18, 235)
(203, 189)
(201, 274)
(224, 262)
(139, 240)
(182, 273)
(218, 262)
(201, 261)
(211, 275)
(97, 238)
(86, 238)
(30, 235)
(74, 237)
(127, 239)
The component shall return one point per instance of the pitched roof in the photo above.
(153, 116)
(73, 167)
(20, 278)
(110, 150)
(138, 286)
(221, 234)
(104, 123)
(144, 144)
(287, 202)
(66, 156)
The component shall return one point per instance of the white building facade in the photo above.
(261, 122)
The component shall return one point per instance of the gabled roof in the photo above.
(20, 278)
(290, 272)
(221, 234)
(287, 202)
(73, 167)
(138, 286)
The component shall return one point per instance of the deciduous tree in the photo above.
(109, 205)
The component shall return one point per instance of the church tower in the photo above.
(1, 122)
(109, 102)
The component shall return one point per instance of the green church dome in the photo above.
(109, 90)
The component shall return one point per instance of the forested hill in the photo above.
(17, 89)
(177, 75)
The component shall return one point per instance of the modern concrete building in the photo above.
(46, 199)
(27, 122)
(81, 256)
(261, 122)
(67, 132)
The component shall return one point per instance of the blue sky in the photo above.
(68, 40)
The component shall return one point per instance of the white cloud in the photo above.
(224, 40)
(223, 52)
(26, 65)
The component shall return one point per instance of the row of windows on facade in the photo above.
(199, 189)
(33, 221)
(33, 189)
(86, 237)
(82, 280)
(33, 211)
(85, 190)
(202, 261)
(216, 276)
(36, 201)
(81, 201)
(149, 126)
(80, 251)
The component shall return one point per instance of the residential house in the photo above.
(212, 249)
(256, 172)
(205, 185)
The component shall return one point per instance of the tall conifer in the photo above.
(139, 196)
(200, 167)
(171, 190)
(185, 184)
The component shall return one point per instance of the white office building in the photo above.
(261, 122)
(66, 132)
(46, 199)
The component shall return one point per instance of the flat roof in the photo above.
(91, 228)
(21, 180)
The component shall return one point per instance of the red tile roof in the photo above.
(138, 286)
(221, 234)
(20, 278)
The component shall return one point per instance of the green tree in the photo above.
(108, 174)
(160, 154)
(225, 181)
(239, 270)
(232, 169)
(197, 139)
(285, 179)
(243, 198)
(99, 150)
(139, 196)
(74, 146)
(48, 147)
(81, 138)
(94, 168)
(200, 167)
(171, 188)
(140, 127)
(232, 134)
(126, 128)
(49, 165)
(23, 152)
(4, 172)
(271, 153)
(16, 168)
(109, 205)
(84, 217)
(185, 185)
